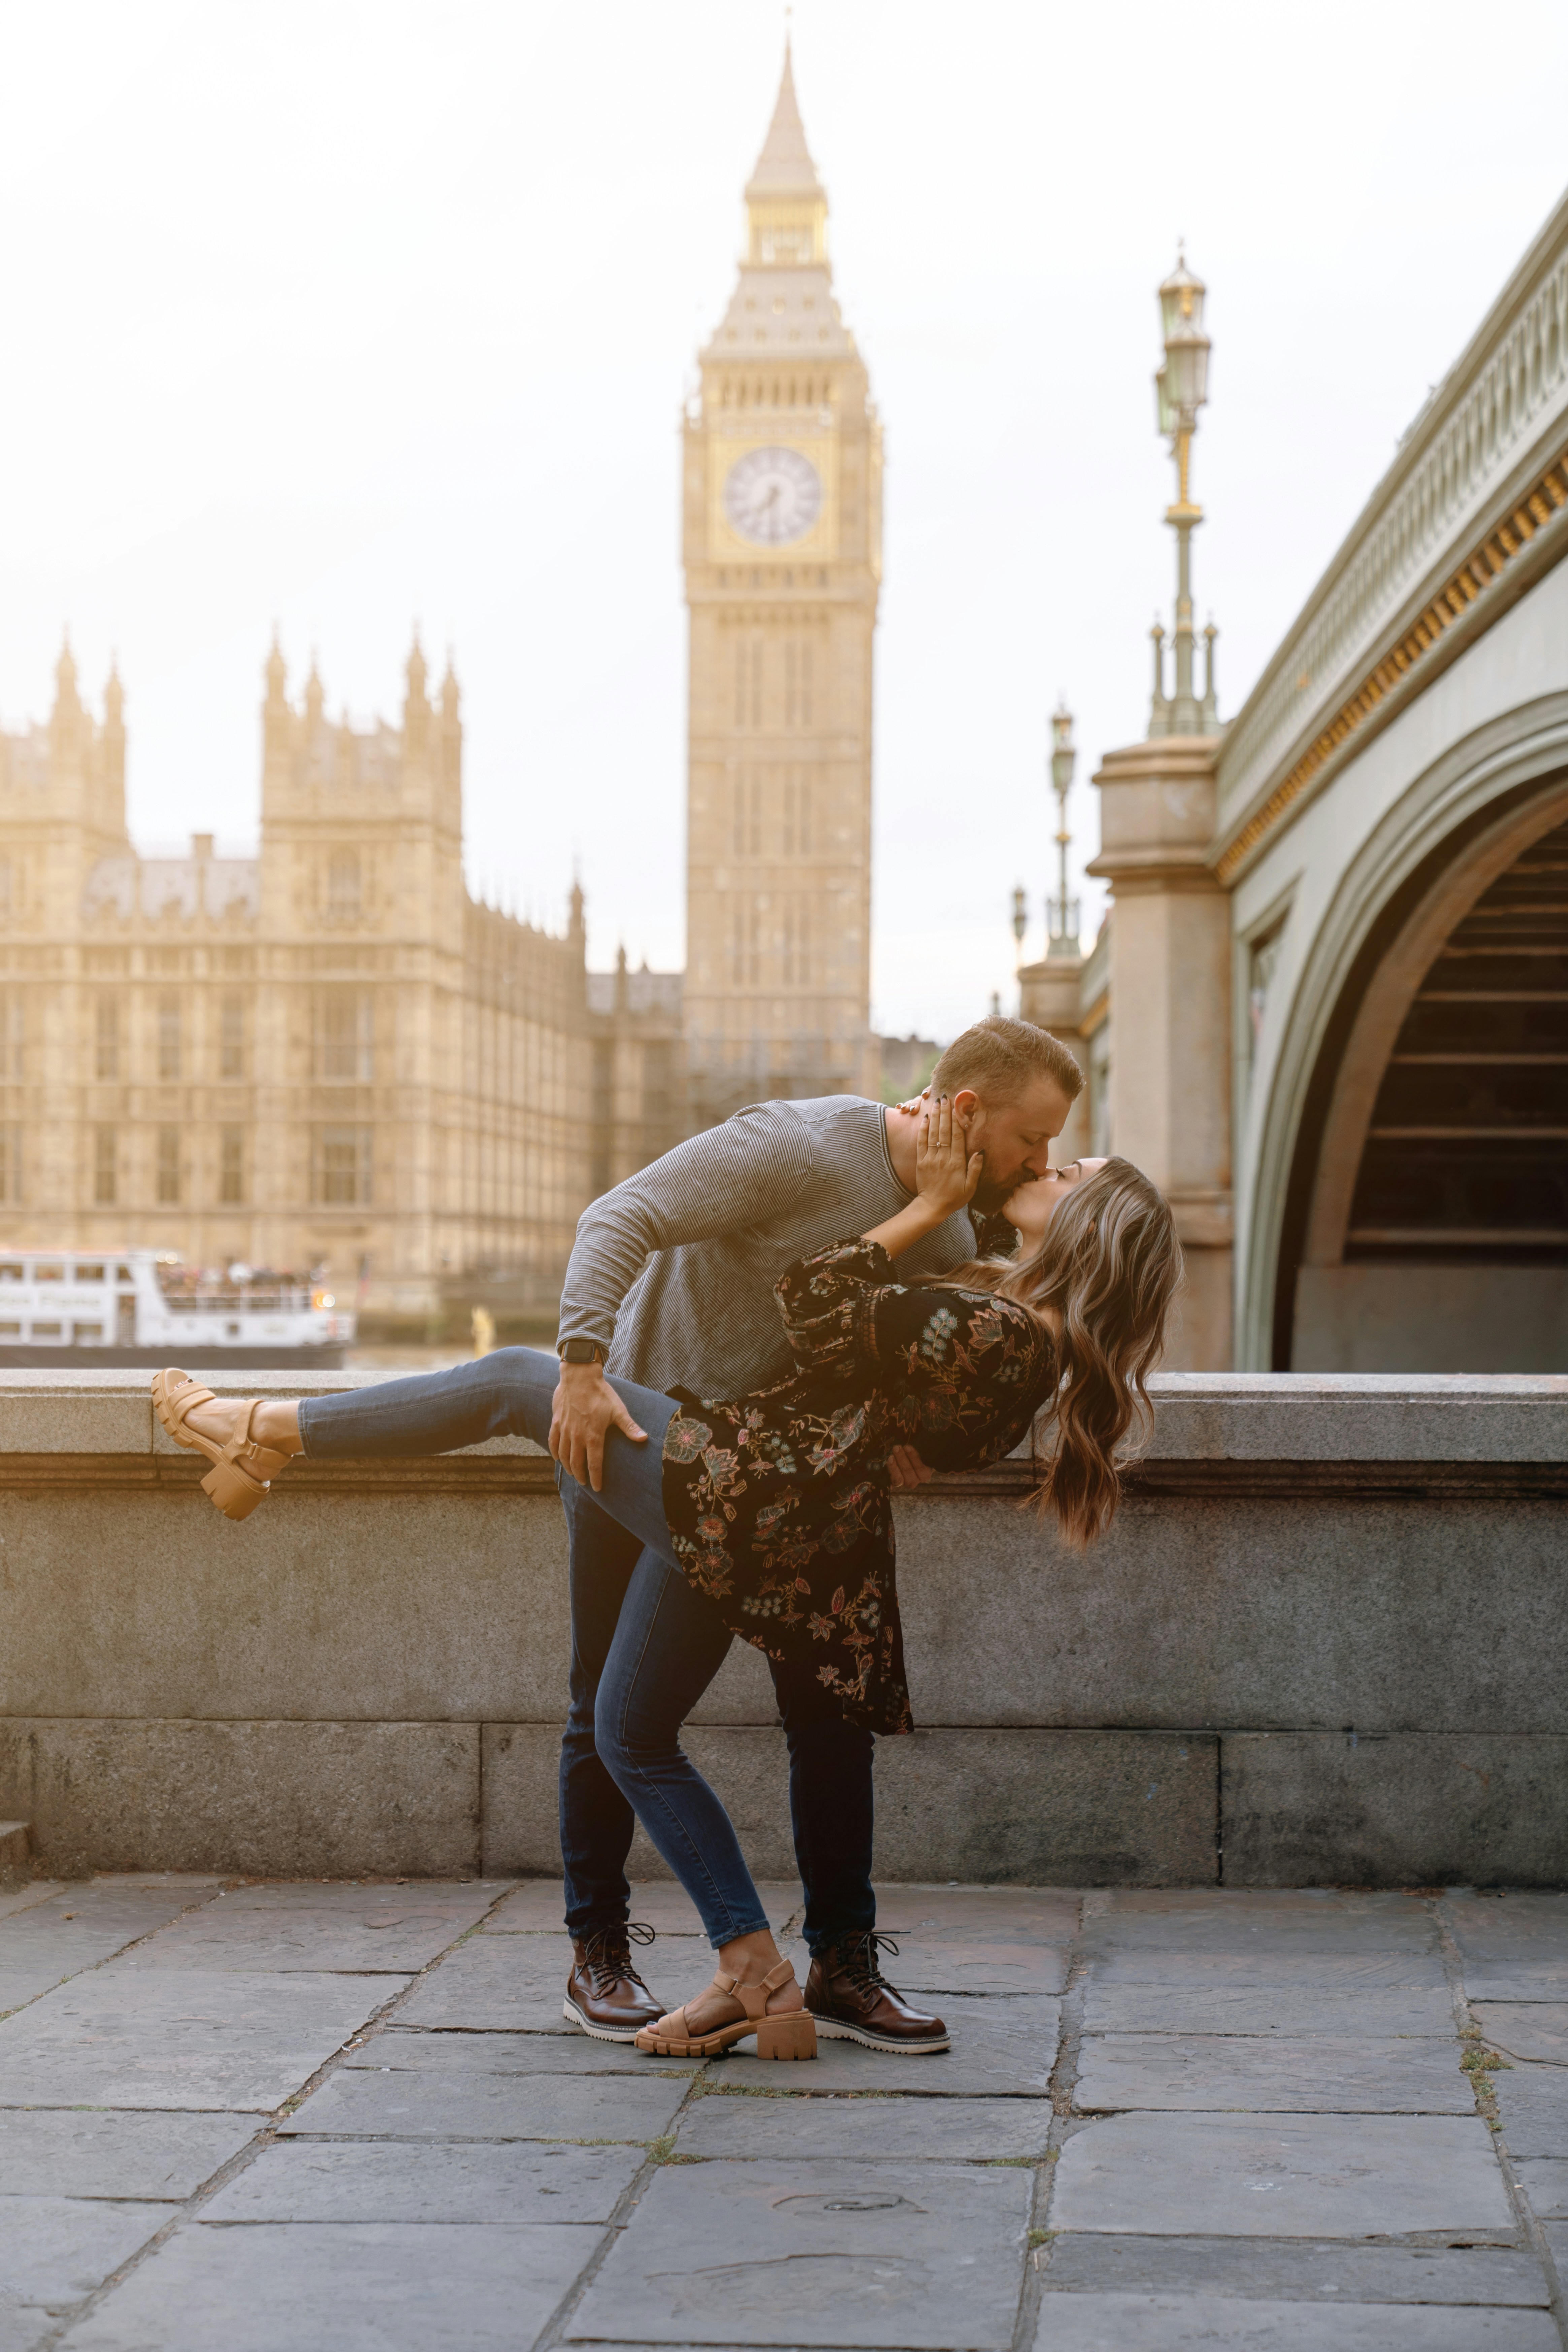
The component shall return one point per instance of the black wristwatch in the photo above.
(581, 1351)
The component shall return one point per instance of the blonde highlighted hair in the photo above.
(1109, 1266)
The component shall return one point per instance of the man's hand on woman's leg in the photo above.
(584, 1409)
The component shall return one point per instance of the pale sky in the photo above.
(345, 312)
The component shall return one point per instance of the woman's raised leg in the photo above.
(508, 1393)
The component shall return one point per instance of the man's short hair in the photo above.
(999, 1058)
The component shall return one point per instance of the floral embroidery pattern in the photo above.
(778, 1504)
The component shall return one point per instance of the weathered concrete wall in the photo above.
(1326, 1640)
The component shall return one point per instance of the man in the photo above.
(671, 1281)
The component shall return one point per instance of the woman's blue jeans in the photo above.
(668, 1641)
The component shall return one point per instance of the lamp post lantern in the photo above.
(1061, 912)
(1181, 389)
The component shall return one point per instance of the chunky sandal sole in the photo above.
(793, 2035)
(232, 1488)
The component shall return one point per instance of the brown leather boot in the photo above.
(604, 1994)
(852, 2001)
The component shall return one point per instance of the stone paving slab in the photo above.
(25, 1898)
(661, 1904)
(1273, 1968)
(1168, 2323)
(951, 2130)
(1286, 2009)
(822, 2253)
(55, 2250)
(168, 2038)
(496, 1984)
(1511, 1946)
(1556, 2236)
(468, 2104)
(511, 2054)
(1532, 2102)
(934, 1914)
(1000, 2049)
(1543, 1981)
(1271, 2074)
(1284, 2269)
(1399, 1924)
(1545, 2181)
(1526, 2029)
(1525, 1925)
(358, 1929)
(1306, 2176)
(1179, 1905)
(381, 2181)
(80, 1927)
(23, 2327)
(62, 2152)
(342, 2287)
(976, 1964)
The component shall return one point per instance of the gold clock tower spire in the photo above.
(782, 552)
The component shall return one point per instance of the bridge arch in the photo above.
(1392, 1118)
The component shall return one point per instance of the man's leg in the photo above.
(831, 1810)
(830, 1805)
(596, 1823)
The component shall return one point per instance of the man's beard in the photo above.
(990, 1195)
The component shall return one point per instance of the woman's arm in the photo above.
(946, 1173)
(829, 1299)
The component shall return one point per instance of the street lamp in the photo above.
(1181, 389)
(1062, 912)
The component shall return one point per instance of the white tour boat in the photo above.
(86, 1308)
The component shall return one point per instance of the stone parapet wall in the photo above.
(1325, 1641)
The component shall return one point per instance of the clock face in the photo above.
(773, 495)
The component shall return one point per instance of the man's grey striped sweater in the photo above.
(673, 1272)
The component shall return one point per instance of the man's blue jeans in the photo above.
(645, 1646)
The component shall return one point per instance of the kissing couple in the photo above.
(762, 1335)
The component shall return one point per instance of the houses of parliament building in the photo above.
(328, 1053)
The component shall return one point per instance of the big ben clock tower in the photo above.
(783, 552)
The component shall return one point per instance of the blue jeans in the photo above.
(644, 1647)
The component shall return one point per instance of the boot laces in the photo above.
(607, 1954)
(856, 1958)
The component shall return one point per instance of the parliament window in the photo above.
(106, 1055)
(748, 681)
(105, 1167)
(168, 1043)
(231, 1165)
(343, 882)
(345, 1036)
(11, 1016)
(231, 1038)
(797, 682)
(341, 1172)
(168, 1165)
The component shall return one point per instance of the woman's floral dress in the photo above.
(778, 1504)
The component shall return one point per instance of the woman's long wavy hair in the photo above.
(1110, 1264)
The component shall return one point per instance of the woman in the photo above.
(769, 1516)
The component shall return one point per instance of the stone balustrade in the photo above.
(1471, 453)
(1325, 1641)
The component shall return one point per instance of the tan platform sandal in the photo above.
(242, 1470)
(793, 2035)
